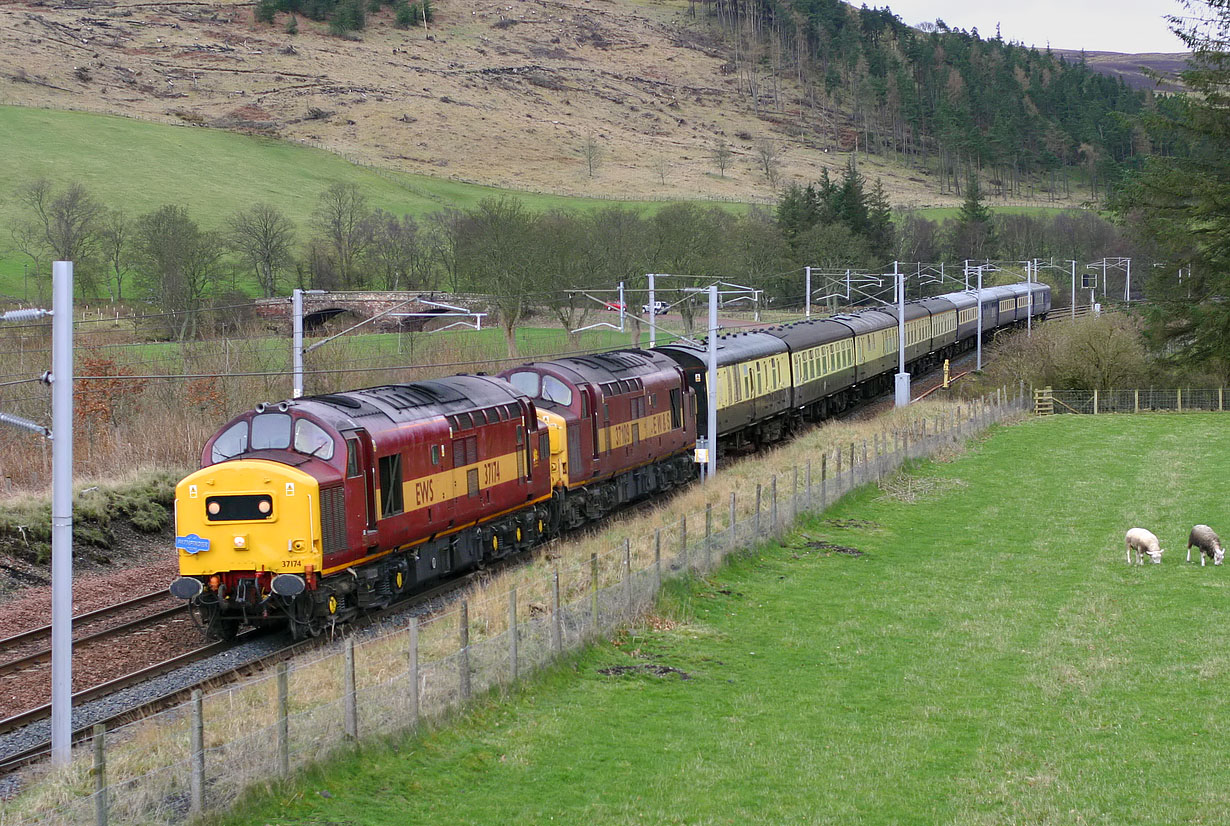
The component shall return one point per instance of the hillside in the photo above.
(504, 94)
(1133, 67)
(498, 93)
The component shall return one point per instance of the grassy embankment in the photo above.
(990, 659)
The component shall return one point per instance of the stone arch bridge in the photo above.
(357, 306)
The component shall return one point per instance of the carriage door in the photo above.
(360, 493)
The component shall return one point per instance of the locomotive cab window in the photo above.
(311, 438)
(271, 431)
(554, 390)
(231, 443)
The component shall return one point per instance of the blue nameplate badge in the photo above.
(192, 543)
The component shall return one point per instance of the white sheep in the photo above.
(1143, 542)
(1207, 544)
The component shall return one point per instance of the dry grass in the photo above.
(148, 762)
(645, 79)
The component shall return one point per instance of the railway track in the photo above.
(42, 655)
(16, 760)
(26, 638)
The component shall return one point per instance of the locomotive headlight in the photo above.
(241, 542)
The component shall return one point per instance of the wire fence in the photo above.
(1093, 402)
(198, 757)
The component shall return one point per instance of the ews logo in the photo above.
(424, 493)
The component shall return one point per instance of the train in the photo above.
(307, 512)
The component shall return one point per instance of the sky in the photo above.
(1132, 26)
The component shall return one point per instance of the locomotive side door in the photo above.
(360, 488)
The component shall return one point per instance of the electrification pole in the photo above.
(653, 313)
(807, 293)
(62, 512)
(903, 378)
(711, 418)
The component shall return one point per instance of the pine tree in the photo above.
(1182, 202)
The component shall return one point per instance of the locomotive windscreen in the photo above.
(238, 508)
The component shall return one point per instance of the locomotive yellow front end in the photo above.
(249, 541)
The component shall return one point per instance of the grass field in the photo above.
(989, 659)
(138, 166)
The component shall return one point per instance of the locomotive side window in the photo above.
(352, 458)
(231, 443)
(676, 409)
(435, 454)
(390, 485)
(554, 390)
(271, 431)
(526, 382)
(311, 438)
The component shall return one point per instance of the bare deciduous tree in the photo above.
(397, 252)
(178, 263)
(343, 220)
(769, 160)
(721, 155)
(263, 237)
(497, 252)
(113, 241)
(69, 224)
(591, 152)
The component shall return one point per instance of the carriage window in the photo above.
(390, 485)
(526, 382)
(311, 438)
(554, 390)
(231, 443)
(271, 431)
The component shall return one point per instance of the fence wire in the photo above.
(1178, 400)
(419, 676)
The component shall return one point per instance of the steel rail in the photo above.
(26, 636)
(44, 655)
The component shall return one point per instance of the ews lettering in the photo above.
(424, 494)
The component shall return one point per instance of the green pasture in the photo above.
(946, 213)
(989, 659)
(139, 166)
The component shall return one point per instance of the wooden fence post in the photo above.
(683, 541)
(283, 729)
(197, 780)
(708, 535)
(1178, 393)
(1219, 394)
(593, 581)
(512, 632)
(773, 506)
(628, 577)
(734, 516)
(794, 497)
(101, 807)
(1135, 401)
(413, 656)
(1095, 401)
(557, 622)
(657, 560)
(810, 504)
(824, 480)
(351, 721)
(756, 519)
(463, 634)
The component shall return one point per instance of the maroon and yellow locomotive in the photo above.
(309, 511)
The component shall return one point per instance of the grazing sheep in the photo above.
(1143, 542)
(1207, 544)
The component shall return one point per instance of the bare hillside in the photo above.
(1135, 69)
(506, 94)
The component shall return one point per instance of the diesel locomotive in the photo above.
(309, 511)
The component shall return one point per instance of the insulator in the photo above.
(24, 424)
(24, 315)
